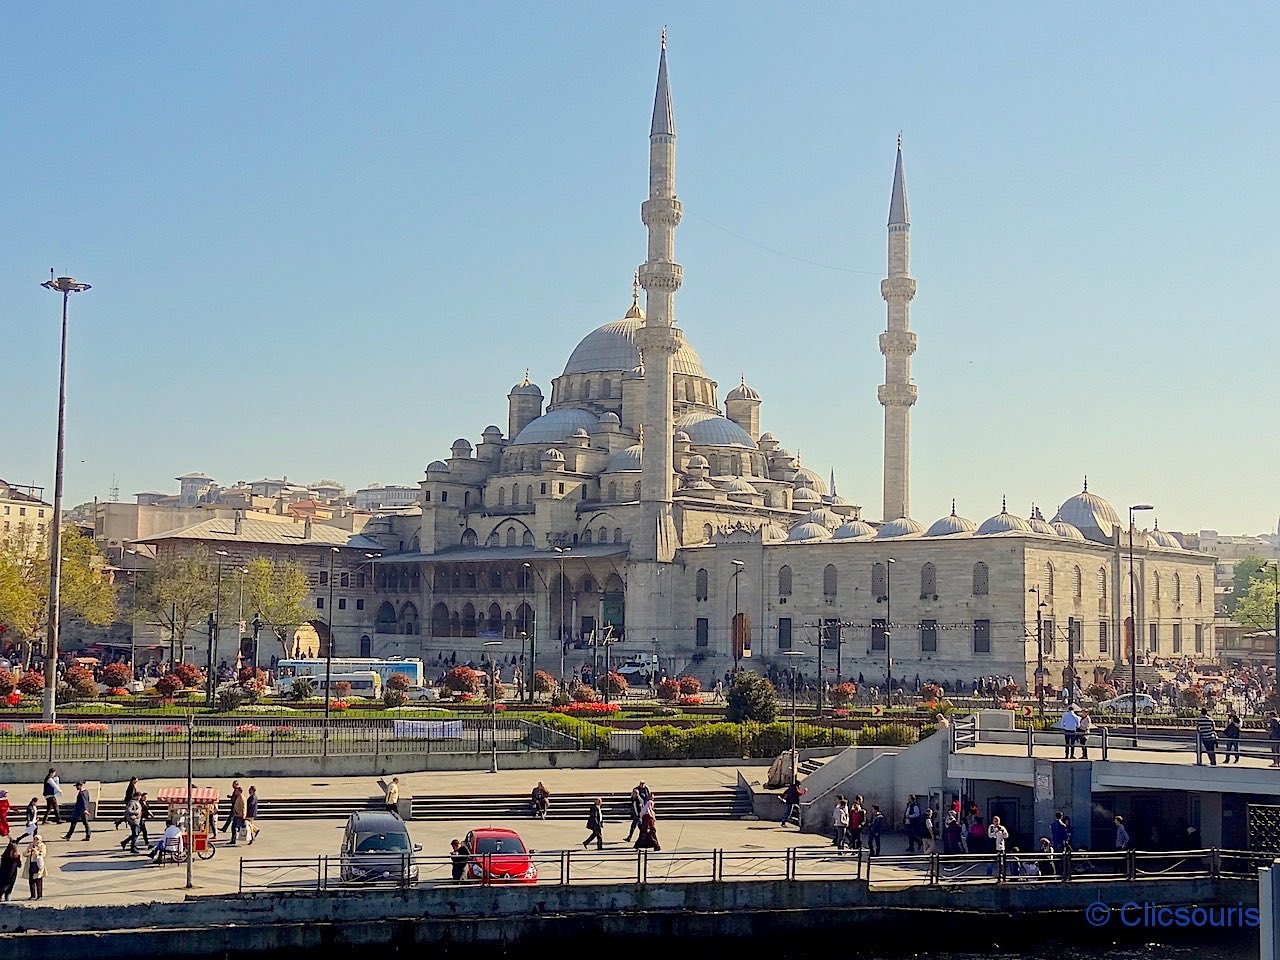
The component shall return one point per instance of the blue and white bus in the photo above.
(315, 667)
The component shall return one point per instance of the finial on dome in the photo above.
(526, 377)
(664, 38)
(899, 139)
(1004, 504)
(635, 313)
(953, 499)
(798, 456)
(742, 380)
(1155, 524)
(1086, 483)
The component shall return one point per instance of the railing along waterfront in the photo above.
(566, 867)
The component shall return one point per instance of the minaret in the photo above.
(658, 338)
(897, 393)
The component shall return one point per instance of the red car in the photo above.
(499, 856)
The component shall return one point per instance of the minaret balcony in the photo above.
(898, 288)
(897, 343)
(662, 211)
(897, 394)
(661, 276)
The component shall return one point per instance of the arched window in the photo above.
(877, 582)
(468, 621)
(511, 536)
(700, 589)
(1077, 583)
(1102, 583)
(1177, 588)
(386, 620)
(1199, 591)
(528, 538)
(586, 389)
(981, 580)
(492, 540)
(586, 536)
(637, 493)
(617, 534)
(495, 579)
(707, 532)
(829, 581)
(502, 496)
(603, 535)
(528, 494)
(469, 537)
(1155, 585)
(613, 492)
(439, 620)
(515, 494)
(495, 619)
(928, 582)
(784, 582)
(606, 389)
(1048, 579)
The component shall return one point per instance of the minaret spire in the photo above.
(897, 394)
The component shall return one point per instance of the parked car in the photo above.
(499, 856)
(376, 848)
(1124, 704)
(422, 693)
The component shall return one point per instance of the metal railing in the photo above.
(566, 867)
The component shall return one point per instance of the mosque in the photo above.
(632, 507)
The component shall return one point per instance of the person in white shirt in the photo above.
(999, 834)
(1122, 834)
(1069, 723)
(171, 832)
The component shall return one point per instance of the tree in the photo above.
(751, 697)
(275, 592)
(1256, 607)
(1246, 574)
(178, 592)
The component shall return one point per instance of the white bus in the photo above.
(287, 670)
(364, 683)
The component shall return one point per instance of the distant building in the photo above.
(24, 516)
(377, 497)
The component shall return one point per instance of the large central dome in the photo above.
(612, 349)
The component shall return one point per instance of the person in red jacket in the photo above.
(4, 813)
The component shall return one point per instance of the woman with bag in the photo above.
(10, 865)
(35, 867)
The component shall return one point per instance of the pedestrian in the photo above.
(251, 814)
(1046, 855)
(1083, 725)
(840, 823)
(35, 867)
(648, 838)
(636, 804)
(928, 836)
(1122, 834)
(595, 824)
(33, 815)
(875, 828)
(1208, 735)
(10, 865)
(1068, 724)
(857, 820)
(392, 799)
(129, 792)
(912, 820)
(459, 854)
(141, 797)
(539, 801)
(81, 812)
(791, 803)
(1231, 734)
(952, 834)
(133, 817)
(52, 791)
(999, 835)
(238, 812)
(1058, 833)
(4, 813)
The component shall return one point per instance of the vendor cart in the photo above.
(204, 811)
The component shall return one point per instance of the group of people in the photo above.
(851, 820)
(644, 821)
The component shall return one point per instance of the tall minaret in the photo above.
(659, 339)
(897, 393)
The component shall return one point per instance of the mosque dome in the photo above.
(768, 438)
(712, 430)
(437, 466)
(612, 348)
(555, 426)
(628, 459)
(609, 417)
(804, 497)
(770, 532)
(738, 485)
(742, 392)
(492, 431)
(552, 456)
(525, 389)
(1038, 524)
(697, 462)
(952, 524)
(681, 437)
(1167, 540)
(854, 530)
(1003, 522)
(581, 432)
(808, 478)
(825, 517)
(1091, 515)
(902, 527)
(809, 531)
(1065, 530)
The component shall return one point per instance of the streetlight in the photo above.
(560, 552)
(888, 632)
(1133, 616)
(738, 645)
(793, 656)
(240, 620)
(65, 286)
(215, 619)
(493, 708)
(533, 635)
(1275, 570)
(328, 658)
(1040, 605)
(523, 637)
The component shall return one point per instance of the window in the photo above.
(1102, 583)
(444, 496)
(528, 538)
(495, 575)
(982, 580)
(602, 535)
(511, 536)
(515, 494)
(1177, 588)
(542, 488)
(324, 577)
(784, 633)
(637, 491)
(342, 603)
(829, 582)
(706, 532)
(1153, 637)
(359, 604)
(831, 633)
(427, 496)
(878, 631)
(878, 582)
(1048, 579)
(528, 494)
(586, 536)
(492, 540)
(22, 511)
(1177, 638)
(928, 582)
(319, 603)
(1155, 585)
(502, 496)
(1075, 635)
(613, 492)
(360, 579)
(1199, 591)
(617, 534)
(470, 577)
(1199, 638)
(700, 585)
(606, 389)
(1104, 637)
(784, 581)
(928, 636)
(1077, 583)
(982, 636)
(561, 488)
(344, 579)
(1047, 632)
(702, 632)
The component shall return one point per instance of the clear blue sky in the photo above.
(325, 239)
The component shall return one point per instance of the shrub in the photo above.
(117, 692)
(1191, 698)
(544, 682)
(931, 693)
(669, 690)
(1100, 691)
(615, 682)
(689, 685)
(31, 682)
(843, 693)
(464, 680)
(398, 681)
(338, 705)
(227, 699)
(168, 685)
(249, 673)
(13, 698)
(247, 730)
(6, 729)
(302, 688)
(8, 682)
(189, 674)
(253, 688)
(342, 689)
(690, 700)
(584, 694)
(81, 684)
(91, 729)
(497, 690)
(889, 735)
(117, 674)
(1009, 691)
(394, 697)
(751, 697)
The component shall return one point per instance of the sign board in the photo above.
(1026, 711)
(1044, 786)
(877, 710)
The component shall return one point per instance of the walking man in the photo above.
(1208, 735)
(133, 817)
(52, 790)
(636, 804)
(595, 824)
(874, 829)
(1069, 724)
(226, 824)
(791, 801)
(1231, 734)
(251, 814)
(129, 791)
(81, 812)
(840, 823)
(913, 820)
(392, 799)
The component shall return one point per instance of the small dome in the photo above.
(697, 462)
(1065, 530)
(854, 530)
(580, 432)
(738, 485)
(768, 438)
(807, 478)
(681, 437)
(609, 417)
(462, 443)
(804, 497)
(1038, 523)
(809, 531)
(628, 459)
(952, 524)
(711, 430)
(1003, 522)
(770, 532)
(525, 389)
(902, 527)
(553, 456)
(437, 466)
(1091, 515)
(554, 426)
(781, 453)
(1166, 540)
(491, 431)
(825, 517)
(742, 392)
(837, 501)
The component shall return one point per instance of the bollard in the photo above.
(1104, 743)
(1031, 741)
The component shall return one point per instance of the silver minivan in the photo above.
(376, 848)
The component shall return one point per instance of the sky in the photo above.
(326, 238)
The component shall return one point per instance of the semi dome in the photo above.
(854, 530)
(552, 456)
(825, 517)
(902, 527)
(952, 524)
(1065, 530)
(1003, 522)
(809, 531)
(1091, 515)
(555, 426)
(609, 417)
(712, 430)
(628, 459)
(738, 485)
(612, 349)
(770, 532)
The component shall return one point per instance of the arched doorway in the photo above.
(385, 622)
(366, 646)
(310, 640)
(615, 605)
(440, 621)
(408, 618)
(741, 636)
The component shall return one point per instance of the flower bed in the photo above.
(91, 729)
(581, 709)
(44, 729)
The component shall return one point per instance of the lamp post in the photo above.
(560, 552)
(1133, 615)
(191, 731)
(328, 659)
(133, 613)
(215, 620)
(533, 637)
(493, 708)
(738, 566)
(523, 637)
(794, 656)
(888, 632)
(65, 286)
(240, 618)
(1039, 647)
(1275, 572)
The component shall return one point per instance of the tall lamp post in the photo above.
(794, 656)
(1040, 605)
(888, 632)
(1133, 616)
(560, 552)
(1275, 572)
(493, 708)
(215, 621)
(65, 286)
(738, 566)
(533, 636)
(328, 658)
